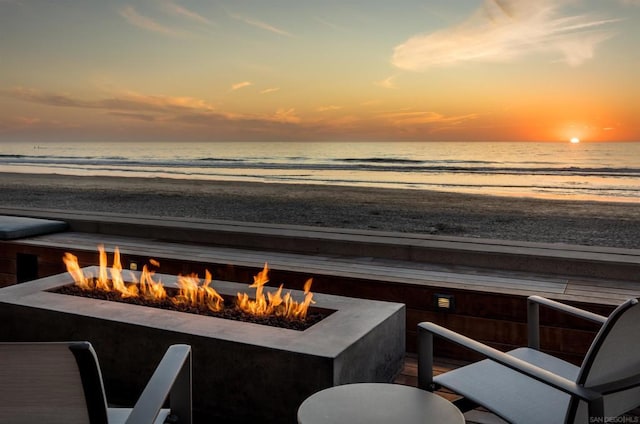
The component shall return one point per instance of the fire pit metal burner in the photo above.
(242, 371)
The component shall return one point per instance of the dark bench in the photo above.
(16, 227)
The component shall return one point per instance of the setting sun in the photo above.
(575, 140)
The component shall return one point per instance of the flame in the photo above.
(192, 291)
(115, 283)
(103, 279)
(71, 261)
(274, 303)
(147, 287)
(116, 278)
(299, 310)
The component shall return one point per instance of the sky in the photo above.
(297, 70)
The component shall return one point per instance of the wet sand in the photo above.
(428, 212)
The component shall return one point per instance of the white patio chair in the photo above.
(61, 382)
(526, 386)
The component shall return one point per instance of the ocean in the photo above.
(582, 171)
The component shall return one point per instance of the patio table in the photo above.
(377, 403)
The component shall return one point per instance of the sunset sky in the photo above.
(348, 70)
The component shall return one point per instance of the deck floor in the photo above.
(567, 288)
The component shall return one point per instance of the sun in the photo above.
(575, 140)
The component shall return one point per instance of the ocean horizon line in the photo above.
(596, 171)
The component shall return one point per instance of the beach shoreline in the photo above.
(591, 223)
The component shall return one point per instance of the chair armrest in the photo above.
(172, 378)
(618, 386)
(426, 330)
(533, 317)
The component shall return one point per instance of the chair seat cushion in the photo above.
(14, 227)
(509, 394)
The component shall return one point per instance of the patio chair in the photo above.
(527, 386)
(61, 382)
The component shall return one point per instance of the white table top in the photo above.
(377, 403)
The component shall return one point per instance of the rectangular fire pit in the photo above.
(242, 371)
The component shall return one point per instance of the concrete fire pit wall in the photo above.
(242, 372)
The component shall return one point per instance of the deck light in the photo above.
(444, 302)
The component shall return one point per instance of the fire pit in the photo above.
(273, 307)
(242, 371)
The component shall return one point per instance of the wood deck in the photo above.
(577, 289)
(560, 259)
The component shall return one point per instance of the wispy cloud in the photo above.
(259, 24)
(270, 90)
(18, 122)
(182, 11)
(138, 107)
(417, 118)
(368, 103)
(21, 123)
(328, 108)
(135, 116)
(387, 82)
(328, 24)
(239, 85)
(287, 116)
(136, 19)
(129, 101)
(502, 30)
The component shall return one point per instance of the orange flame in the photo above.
(71, 261)
(102, 282)
(147, 287)
(192, 292)
(274, 303)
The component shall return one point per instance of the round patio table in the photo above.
(377, 403)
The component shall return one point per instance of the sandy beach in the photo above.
(427, 212)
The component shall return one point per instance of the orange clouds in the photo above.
(160, 116)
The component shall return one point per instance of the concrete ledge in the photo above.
(586, 261)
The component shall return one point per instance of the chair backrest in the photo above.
(614, 356)
(51, 383)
